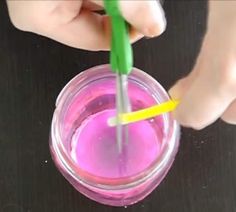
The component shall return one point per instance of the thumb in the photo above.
(181, 87)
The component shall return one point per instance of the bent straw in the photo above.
(127, 118)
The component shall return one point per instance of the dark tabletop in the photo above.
(34, 69)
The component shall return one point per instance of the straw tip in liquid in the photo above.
(111, 122)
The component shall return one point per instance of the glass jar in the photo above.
(84, 148)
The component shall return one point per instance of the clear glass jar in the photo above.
(90, 164)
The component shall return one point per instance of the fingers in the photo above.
(211, 88)
(206, 93)
(146, 16)
(230, 115)
(182, 86)
(65, 22)
(87, 31)
(92, 6)
(202, 104)
(62, 21)
(41, 15)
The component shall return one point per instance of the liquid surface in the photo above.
(94, 147)
(92, 144)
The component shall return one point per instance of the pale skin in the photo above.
(206, 94)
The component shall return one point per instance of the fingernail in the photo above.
(153, 31)
(156, 29)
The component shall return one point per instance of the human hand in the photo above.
(209, 91)
(76, 24)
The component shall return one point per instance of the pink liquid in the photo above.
(85, 149)
(92, 143)
(95, 150)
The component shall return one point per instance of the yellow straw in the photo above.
(127, 118)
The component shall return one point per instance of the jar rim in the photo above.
(89, 179)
